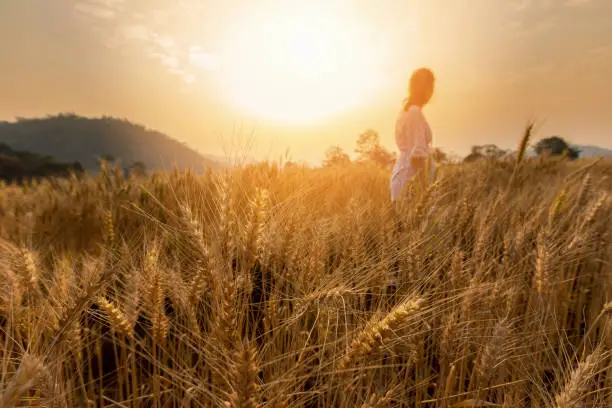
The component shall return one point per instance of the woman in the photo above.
(413, 134)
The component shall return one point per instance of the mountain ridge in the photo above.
(592, 151)
(70, 138)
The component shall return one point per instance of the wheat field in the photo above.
(265, 286)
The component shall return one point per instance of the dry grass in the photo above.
(270, 287)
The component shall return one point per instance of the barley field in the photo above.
(265, 286)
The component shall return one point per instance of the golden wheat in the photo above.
(294, 287)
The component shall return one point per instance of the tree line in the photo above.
(368, 148)
(19, 166)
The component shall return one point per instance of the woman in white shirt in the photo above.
(412, 133)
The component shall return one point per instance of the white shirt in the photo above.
(413, 138)
(412, 132)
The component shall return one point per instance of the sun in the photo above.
(298, 64)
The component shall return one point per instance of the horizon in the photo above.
(178, 68)
(246, 157)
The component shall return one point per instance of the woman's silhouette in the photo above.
(412, 133)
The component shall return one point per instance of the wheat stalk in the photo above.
(23, 380)
(244, 379)
(577, 384)
(377, 333)
(520, 153)
(117, 319)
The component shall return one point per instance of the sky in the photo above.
(266, 76)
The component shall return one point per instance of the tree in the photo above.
(335, 156)
(366, 143)
(556, 146)
(369, 149)
(439, 155)
(382, 156)
(138, 168)
(487, 151)
(21, 166)
(492, 151)
(107, 157)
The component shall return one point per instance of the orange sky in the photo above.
(305, 75)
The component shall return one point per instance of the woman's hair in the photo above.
(420, 82)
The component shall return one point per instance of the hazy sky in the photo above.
(304, 75)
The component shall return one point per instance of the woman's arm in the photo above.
(420, 167)
(419, 163)
(420, 149)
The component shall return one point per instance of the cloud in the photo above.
(164, 41)
(576, 3)
(201, 59)
(170, 55)
(524, 5)
(532, 29)
(102, 9)
(167, 60)
(520, 5)
(136, 32)
(95, 11)
(134, 26)
(532, 5)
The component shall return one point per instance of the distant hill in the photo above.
(593, 151)
(72, 138)
(586, 151)
(19, 166)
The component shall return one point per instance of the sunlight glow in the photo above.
(299, 64)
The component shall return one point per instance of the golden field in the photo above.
(271, 287)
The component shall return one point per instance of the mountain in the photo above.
(593, 151)
(586, 151)
(71, 138)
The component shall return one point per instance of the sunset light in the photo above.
(306, 203)
(300, 64)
